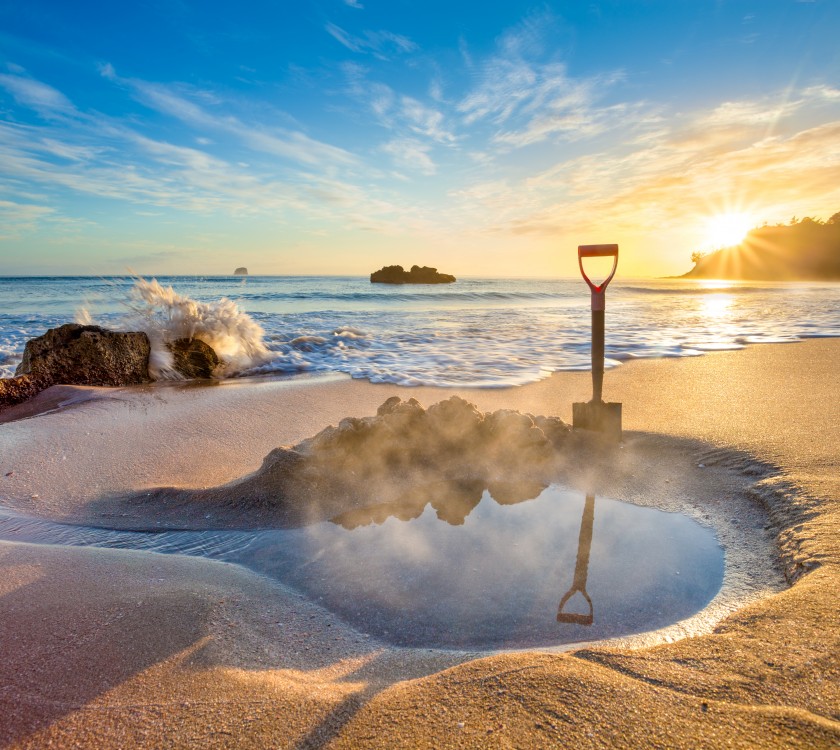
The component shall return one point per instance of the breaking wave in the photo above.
(165, 316)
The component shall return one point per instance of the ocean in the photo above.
(476, 332)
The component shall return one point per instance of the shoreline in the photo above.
(765, 674)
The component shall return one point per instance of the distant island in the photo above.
(417, 275)
(241, 271)
(803, 250)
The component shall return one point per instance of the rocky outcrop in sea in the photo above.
(417, 275)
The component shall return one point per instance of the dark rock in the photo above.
(87, 355)
(241, 271)
(193, 358)
(19, 389)
(417, 275)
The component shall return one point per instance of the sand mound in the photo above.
(378, 460)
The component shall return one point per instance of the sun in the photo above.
(727, 229)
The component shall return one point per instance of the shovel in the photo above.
(595, 414)
(581, 568)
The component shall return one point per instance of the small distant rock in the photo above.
(193, 358)
(417, 275)
(241, 271)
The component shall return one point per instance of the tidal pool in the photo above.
(458, 565)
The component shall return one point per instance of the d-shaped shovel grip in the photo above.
(574, 617)
(598, 251)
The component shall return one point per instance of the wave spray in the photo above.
(165, 316)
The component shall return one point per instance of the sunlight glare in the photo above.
(727, 229)
(715, 283)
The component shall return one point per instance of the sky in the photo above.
(337, 136)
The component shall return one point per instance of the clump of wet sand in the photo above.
(373, 460)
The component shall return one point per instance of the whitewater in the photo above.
(473, 333)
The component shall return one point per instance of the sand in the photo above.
(105, 648)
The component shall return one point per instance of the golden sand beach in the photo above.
(111, 648)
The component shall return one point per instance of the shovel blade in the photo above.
(599, 417)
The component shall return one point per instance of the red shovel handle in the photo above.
(597, 251)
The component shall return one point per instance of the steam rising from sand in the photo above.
(399, 460)
(165, 316)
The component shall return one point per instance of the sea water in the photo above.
(475, 332)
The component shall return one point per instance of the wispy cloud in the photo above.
(18, 219)
(414, 128)
(424, 120)
(411, 154)
(287, 144)
(532, 102)
(674, 178)
(378, 43)
(292, 176)
(44, 99)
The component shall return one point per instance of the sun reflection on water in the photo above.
(717, 306)
(705, 284)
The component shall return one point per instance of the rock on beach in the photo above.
(193, 358)
(74, 354)
(87, 355)
(16, 390)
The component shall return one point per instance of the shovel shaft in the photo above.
(584, 543)
(597, 355)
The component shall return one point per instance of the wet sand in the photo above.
(107, 648)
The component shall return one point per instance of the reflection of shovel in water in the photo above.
(581, 568)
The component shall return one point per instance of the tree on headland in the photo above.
(804, 249)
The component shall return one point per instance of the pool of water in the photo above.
(460, 565)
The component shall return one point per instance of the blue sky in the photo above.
(341, 135)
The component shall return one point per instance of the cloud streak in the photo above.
(286, 144)
(381, 44)
(44, 99)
